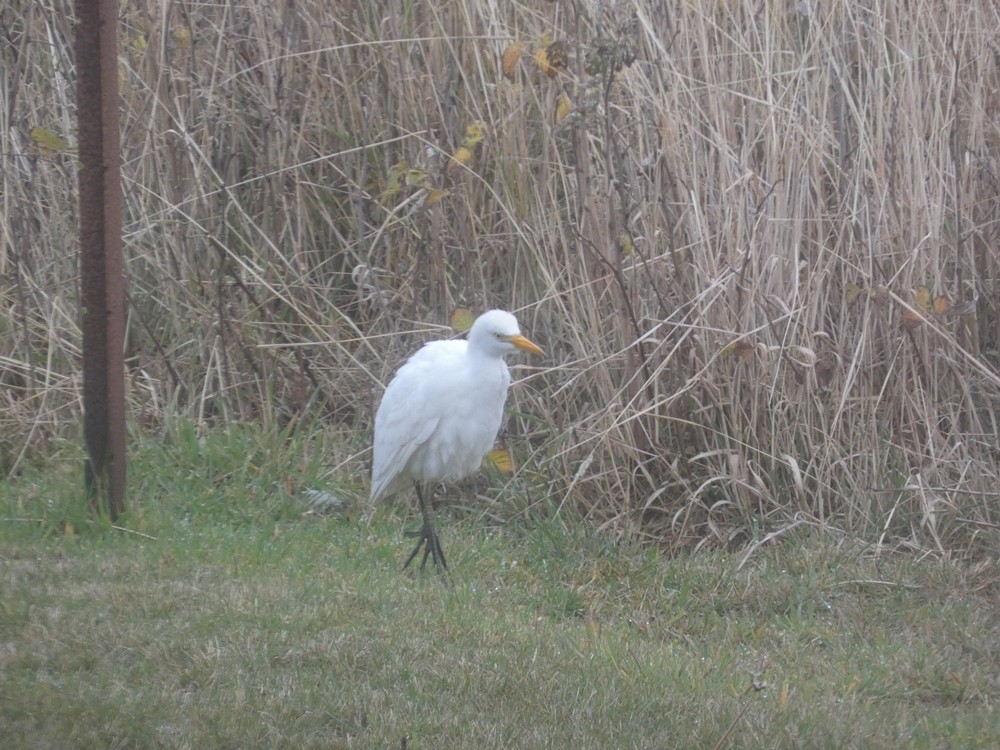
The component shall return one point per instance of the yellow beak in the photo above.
(522, 343)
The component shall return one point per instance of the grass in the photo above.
(191, 625)
(760, 251)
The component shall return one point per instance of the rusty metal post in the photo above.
(101, 263)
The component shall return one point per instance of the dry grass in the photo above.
(729, 247)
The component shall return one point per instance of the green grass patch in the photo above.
(221, 613)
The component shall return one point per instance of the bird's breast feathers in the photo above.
(440, 414)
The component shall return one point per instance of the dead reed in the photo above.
(757, 240)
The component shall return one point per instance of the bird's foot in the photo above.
(428, 540)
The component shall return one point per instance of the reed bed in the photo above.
(758, 242)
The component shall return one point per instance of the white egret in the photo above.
(440, 416)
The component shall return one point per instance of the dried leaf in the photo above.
(625, 244)
(741, 349)
(542, 61)
(563, 107)
(501, 459)
(941, 305)
(436, 194)
(922, 298)
(803, 355)
(851, 292)
(911, 319)
(557, 58)
(416, 178)
(474, 134)
(48, 142)
(963, 308)
(461, 157)
(395, 178)
(182, 37)
(509, 60)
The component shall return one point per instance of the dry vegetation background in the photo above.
(758, 241)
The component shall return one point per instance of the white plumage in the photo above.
(441, 413)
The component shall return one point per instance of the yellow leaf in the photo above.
(474, 134)
(462, 319)
(501, 459)
(47, 141)
(182, 37)
(922, 298)
(436, 194)
(551, 57)
(69, 529)
(563, 107)
(625, 243)
(542, 61)
(783, 695)
(461, 157)
(509, 60)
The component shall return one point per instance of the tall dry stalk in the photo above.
(758, 240)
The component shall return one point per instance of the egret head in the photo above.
(497, 333)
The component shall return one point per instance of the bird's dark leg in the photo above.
(428, 539)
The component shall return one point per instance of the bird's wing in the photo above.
(396, 439)
(408, 414)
